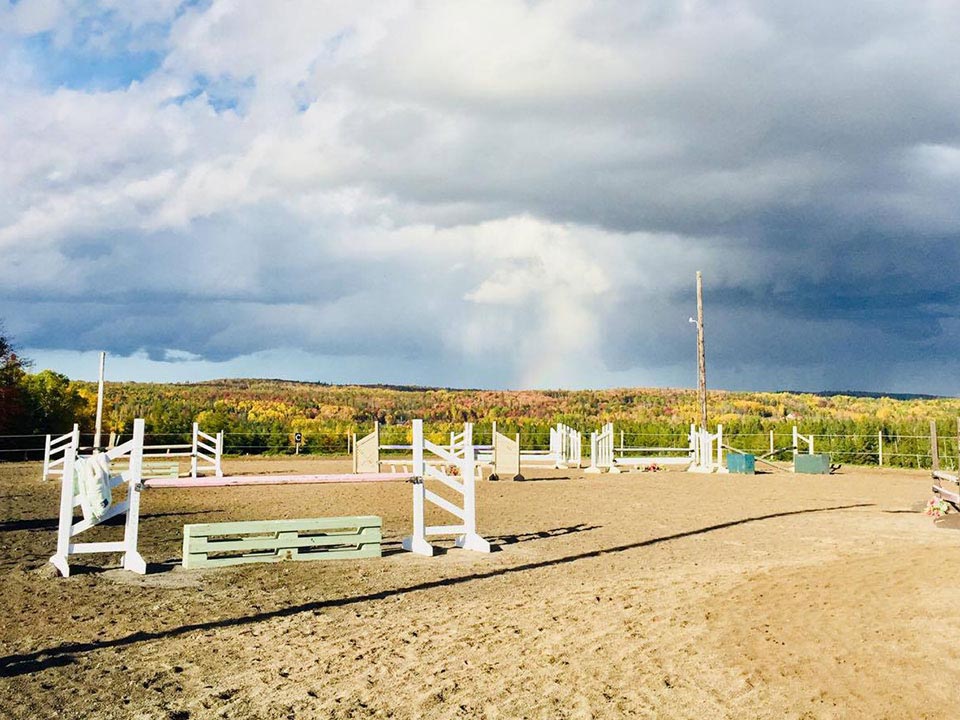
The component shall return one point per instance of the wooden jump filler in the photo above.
(238, 543)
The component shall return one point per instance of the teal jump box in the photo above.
(742, 464)
(818, 464)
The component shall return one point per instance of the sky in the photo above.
(501, 194)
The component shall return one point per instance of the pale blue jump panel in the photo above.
(154, 469)
(237, 543)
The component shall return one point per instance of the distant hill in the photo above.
(874, 395)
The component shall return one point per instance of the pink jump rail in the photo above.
(231, 480)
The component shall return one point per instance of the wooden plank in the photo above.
(230, 480)
(149, 472)
(652, 461)
(338, 538)
(441, 452)
(443, 503)
(506, 456)
(306, 524)
(951, 497)
(282, 540)
(446, 529)
(653, 449)
(81, 525)
(940, 475)
(89, 548)
(200, 560)
(262, 528)
(438, 475)
(160, 469)
(366, 452)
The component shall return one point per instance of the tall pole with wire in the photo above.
(96, 438)
(701, 356)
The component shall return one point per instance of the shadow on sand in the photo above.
(13, 665)
(51, 523)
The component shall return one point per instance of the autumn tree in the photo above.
(12, 372)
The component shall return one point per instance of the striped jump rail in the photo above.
(208, 545)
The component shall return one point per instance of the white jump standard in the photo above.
(70, 497)
(708, 451)
(54, 451)
(601, 451)
(464, 459)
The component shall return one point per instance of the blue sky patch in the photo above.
(80, 67)
(223, 94)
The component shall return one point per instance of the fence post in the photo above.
(720, 446)
(772, 448)
(193, 452)
(46, 459)
(880, 446)
(796, 442)
(934, 447)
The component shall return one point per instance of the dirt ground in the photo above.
(655, 595)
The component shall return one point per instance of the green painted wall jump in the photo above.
(817, 464)
(236, 543)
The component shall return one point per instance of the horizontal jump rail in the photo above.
(951, 497)
(652, 449)
(941, 475)
(204, 446)
(651, 460)
(234, 480)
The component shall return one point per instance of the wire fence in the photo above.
(883, 447)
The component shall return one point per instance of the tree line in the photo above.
(263, 416)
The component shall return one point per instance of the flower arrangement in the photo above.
(936, 508)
